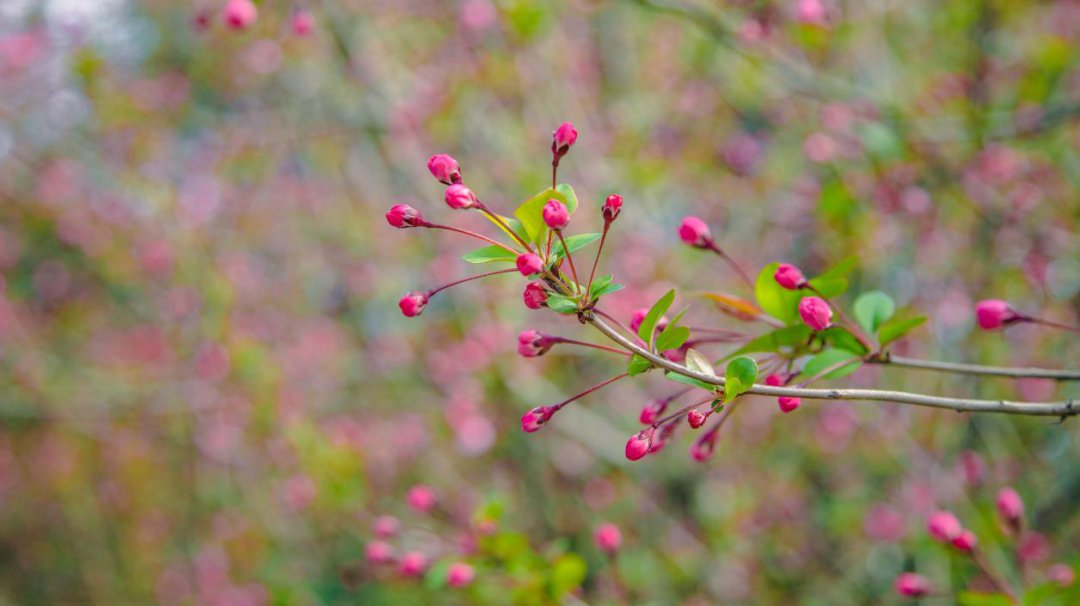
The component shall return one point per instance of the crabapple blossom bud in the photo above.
(536, 418)
(703, 447)
(652, 411)
(661, 440)
(532, 343)
(555, 214)
(563, 138)
(459, 574)
(965, 541)
(638, 445)
(413, 564)
(302, 23)
(696, 418)
(529, 264)
(403, 215)
(774, 380)
(413, 303)
(992, 314)
(695, 232)
(535, 295)
(421, 498)
(378, 552)
(912, 585)
(789, 277)
(1010, 506)
(815, 312)
(386, 526)
(1062, 574)
(944, 526)
(445, 169)
(612, 207)
(459, 197)
(240, 14)
(608, 538)
(788, 404)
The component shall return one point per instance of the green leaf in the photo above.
(872, 309)
(971, 598)
(645, 331)
(637, 365)
(531, 211)
(841, 338)
(828, 359)
(790, 336)
(567, 573)
(569, 197)
(489, 254)
(739, 376)
(673, 335)
(691, 381)
(562, 304)
(606, 290)
(840, 270)
(829, 287)
(697, 362)
(435, 578)
(897, 328)
(574, 243)
(775, 300)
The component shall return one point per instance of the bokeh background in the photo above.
(208, 395)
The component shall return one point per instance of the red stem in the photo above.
(570, 259)
(589, 391)
(738, 269)
(592, 345)
(1052, 324)
(596, 261)
(432, 293)
(496, 218)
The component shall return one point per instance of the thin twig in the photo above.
(977, 369)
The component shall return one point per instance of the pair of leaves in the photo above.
(874, 311)
(531, 211)
(603, 286)
(834, 363)
(739, 375)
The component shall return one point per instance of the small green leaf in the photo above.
(673, 335)
(568, 571)
(841, 338)
(872, 309)
(569, 197)
(739, 376)
(645, 331)
(897, 328)
(840, 270)
(637, 365)
(685, 380)
(562, 304)
(971, 598)
(574, 243)
(697, 362)
(531, 212)
(775, 300)
(435, 578)
(790, 336)
(831, 358)
(489, 254)
(606, 290)
(829, 287)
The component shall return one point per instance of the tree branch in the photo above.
(976, 369)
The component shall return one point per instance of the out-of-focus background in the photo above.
(208, 394)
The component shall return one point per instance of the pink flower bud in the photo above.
(459, 197)
(445, 169)
(529, 264)
(1062, 574)
(652, 411)
(459, 574)
(536, 418)
(413, 564)
(788, 404)
(302, 23)
(612, 207)
(992, 314)
(240, 14)
(421, 498)
(944, 526)
(789, 277)
(815, 312)
(774, 380)
(696, 418)
(695, 232)
(378, 552)
(555, 214)
(535, 295)
(965, 541)
(972, 467)
(413, 303)
(912, 585)
(532, 343)
(608, 538)
(638, 445)
(403, 215)
(703, 447)
(385, 527)
(563, 138)
(1010, 506)
(660, 440)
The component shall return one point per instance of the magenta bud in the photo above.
(536, 418)
(608, 538)
(413, 304)
(815, 312)
(612, 207)
(943, 526)
(532, 343)
(965, 541)
(535, 295)
(302, 23)
(555, 215)
(385, 527)
(788, 404)
(413, 564)
(992, 314)
(421, 498)
(695, 232)
(1062, 574)
(459, 197)
(240, 14)
(774, 380)
(652, 411)
(403, 215)
(445, 169)
(1010, 506)
(911, 585)
(529, 264)
(696, 418)
(563, 138)
(378, 552)
(789, 277)
(459, 574)
(703, 447)
(639, 444)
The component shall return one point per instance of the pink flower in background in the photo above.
(421, 498)
(943, 526)
(240, 14)
(459, 574)
(608, 538)
(1010, 506)
(884, 523)
(303, 22)
(299, 492)
(413, 564)
(1062, 574)
(385, 526)
(912, 585)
